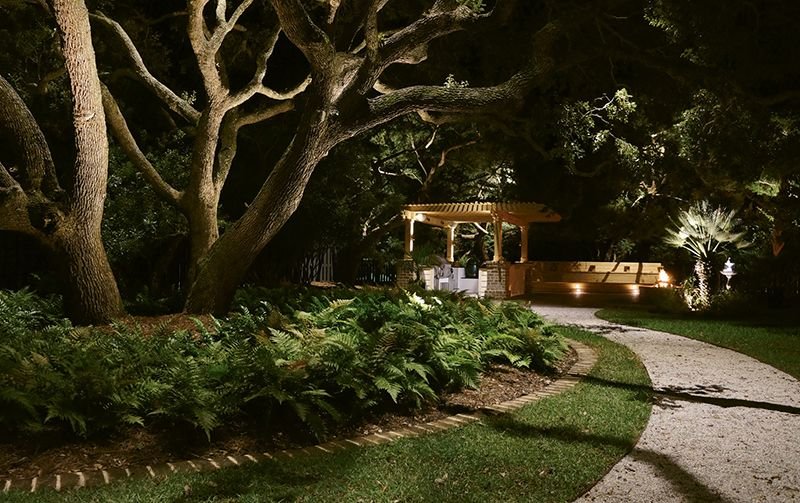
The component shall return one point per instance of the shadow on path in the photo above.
(696, 394)
(681, 480)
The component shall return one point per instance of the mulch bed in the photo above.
(29, 457)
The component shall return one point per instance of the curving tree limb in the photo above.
(164, 93)
(304, 33)
(119, 128)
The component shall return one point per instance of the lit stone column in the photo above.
(451, 233)
(409, 237)
(523, 230)
(498, 240)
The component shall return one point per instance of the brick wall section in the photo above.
(406, 273)
(496, 278)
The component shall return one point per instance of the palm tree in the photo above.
(702, 230)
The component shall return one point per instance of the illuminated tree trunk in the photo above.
(231, 256)
(66, 222)
(701, 273)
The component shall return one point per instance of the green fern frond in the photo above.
(393, 389)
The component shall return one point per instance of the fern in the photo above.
(391, 388)
(318, 357)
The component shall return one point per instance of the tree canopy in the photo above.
(220, 112)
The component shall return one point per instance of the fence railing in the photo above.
(373, 272)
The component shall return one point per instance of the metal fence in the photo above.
(373, 272)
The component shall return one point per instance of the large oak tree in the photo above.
(347, 50)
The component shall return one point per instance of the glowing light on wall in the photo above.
(577, 289)
(663, 278)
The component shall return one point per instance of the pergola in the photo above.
(449, 215)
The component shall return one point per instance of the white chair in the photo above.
(444, 274)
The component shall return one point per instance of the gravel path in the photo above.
(725, 427)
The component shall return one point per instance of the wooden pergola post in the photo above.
(498, 239)
(409, 237)
(523, 230)
(451, 233)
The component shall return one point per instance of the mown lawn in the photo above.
(773, 339)
(552, 450)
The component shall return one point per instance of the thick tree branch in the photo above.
(220, 11)
(333, 7)
(225, 26)
(371, 36)
(256, 85)
(18, 124)
(301, 30)
(6, 180)
(261, 70)
(372, 235)
(119, 128)
(444, 99)
(287, 95)
(264, 113)
(88, 191)
(204, 51)
(14, 205)
(227, 150)
(409, 45)
(43, 87)
(229, 135)
(164, 93)
(507, 95)
(349, 21)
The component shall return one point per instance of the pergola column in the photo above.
(451, 234)
(523, 230)
(498, 239)
(409, 237)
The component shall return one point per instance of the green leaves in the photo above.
(702, 229)
(296, 354)
(476, 6)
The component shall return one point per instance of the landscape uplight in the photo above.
(663, 278)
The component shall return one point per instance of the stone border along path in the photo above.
(586, 360)
(725, 427)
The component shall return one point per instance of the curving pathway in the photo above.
(725, 427)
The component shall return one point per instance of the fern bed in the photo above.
(290, 367)
(549, 451)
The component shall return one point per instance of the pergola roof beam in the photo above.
(516, 213)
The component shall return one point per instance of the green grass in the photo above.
(774, 340)
(552, 450)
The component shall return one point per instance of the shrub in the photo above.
(309, 355)
(669, 300)
(731, 304)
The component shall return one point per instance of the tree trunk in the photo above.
(203, 228)
(701, 273)
(202, 196)
(92, 294)
(230, 258)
